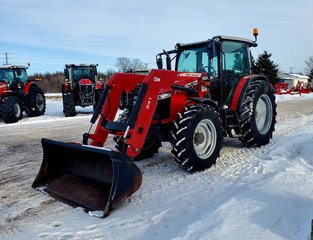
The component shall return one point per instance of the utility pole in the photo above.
(6, 58)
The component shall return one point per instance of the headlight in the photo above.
(164, 96)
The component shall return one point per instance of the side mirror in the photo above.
(213, 49)
(159, 63)
(18, 72)
(66, 73)
(168, 60)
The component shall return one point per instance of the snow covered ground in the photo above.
(251, 193)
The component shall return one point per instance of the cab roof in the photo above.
(218, 38)
(12, 66)
(81, 65)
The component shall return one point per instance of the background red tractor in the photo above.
(18, 94)
(211, 94)
(81, 88)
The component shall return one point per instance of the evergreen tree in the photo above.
(264, 65)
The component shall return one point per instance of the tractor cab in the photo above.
(74, 73)
(14, 76)
(225, 59)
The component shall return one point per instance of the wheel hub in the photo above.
(17, 110)
(39, 102)
(199, 138)
(204, 139)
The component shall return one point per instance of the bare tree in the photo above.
(125, 64)
(309, 67)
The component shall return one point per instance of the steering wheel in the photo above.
(210, 70)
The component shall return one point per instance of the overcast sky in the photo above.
(51, 33)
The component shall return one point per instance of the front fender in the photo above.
(206, 101)
(237, 95)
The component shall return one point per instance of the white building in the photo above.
(293, 79)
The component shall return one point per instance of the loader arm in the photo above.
(136, 129)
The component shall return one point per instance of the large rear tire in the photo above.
(69, 104)
(197, 138)
(257, 114)
(36, 102)
(11, 109)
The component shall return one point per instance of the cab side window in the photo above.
(235, 62)
(23, 77)
(236, 58)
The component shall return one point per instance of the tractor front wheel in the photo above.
(197, 138)
(11, 109)
(150, 147)
(36, 102)
(257, 114)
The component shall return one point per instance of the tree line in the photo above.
(51, 82)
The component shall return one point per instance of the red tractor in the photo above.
(18, 94)
(81, 88)
(211, 93)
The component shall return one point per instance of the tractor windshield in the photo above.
(79, 73)
(6, 75)
(197, 60)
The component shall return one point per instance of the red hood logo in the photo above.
(85, 81)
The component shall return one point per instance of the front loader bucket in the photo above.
(85, 176)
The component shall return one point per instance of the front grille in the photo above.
(86, 88)
(163, 108)
(86, 95)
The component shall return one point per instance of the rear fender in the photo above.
(99, 85)
(28, 85)
(3, 88)
(65, 87)
(237, 95)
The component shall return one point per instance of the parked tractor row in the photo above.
(18, 94)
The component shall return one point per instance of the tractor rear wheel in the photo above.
(257, 114)
(69, 104)
(11, 109)
(197, 138)
(36, 102)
